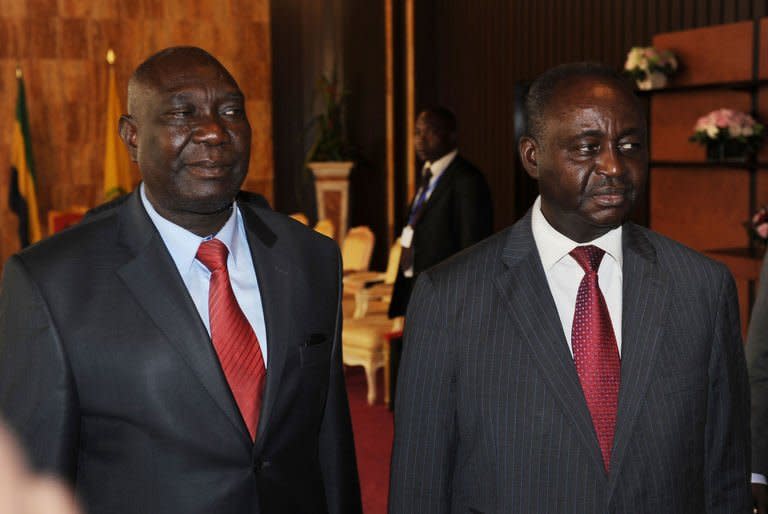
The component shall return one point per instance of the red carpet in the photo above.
(372, 425)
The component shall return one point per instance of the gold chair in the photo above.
(300, 217)
(325, 227)
(364, 334)
(356, 249)
(59, 220)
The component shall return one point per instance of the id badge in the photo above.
(406, 237)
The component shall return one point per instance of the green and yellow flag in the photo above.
(22, 196)
(117, 172)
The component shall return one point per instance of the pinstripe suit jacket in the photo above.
(491, 417)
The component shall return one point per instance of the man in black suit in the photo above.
(574, 362)
(451, 210)
(134, 347)
(757, 359)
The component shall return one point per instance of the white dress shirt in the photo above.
(437, 169)
(564, 274)
(183, 244)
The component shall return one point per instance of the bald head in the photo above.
(171, 61)
(189, 134)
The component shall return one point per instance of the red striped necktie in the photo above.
(233, 337)
(595, 351)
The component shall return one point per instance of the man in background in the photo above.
(757, 359)
(575, 362)
(452, 208)
(180, 350)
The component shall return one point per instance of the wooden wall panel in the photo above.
(711, 54)
(696, 206)
(763, 65)
(61, 44)
(674, 116)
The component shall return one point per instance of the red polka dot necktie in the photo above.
(595, 351)
(233, 337)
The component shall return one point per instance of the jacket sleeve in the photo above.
(425, 430)
(37, 392)
(337, 448)
(726, 458)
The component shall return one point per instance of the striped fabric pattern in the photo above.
(490, 415)
(233, 337)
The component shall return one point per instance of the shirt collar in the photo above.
(553, 246)
(183, 244)
(440, 165)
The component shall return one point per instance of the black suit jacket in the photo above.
(109, 377)
(757, 357)
(458, 214)
(490, 415)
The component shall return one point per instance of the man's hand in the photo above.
(760, 498)
(24, 493)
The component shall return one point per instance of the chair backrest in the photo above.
(59, 220)
(325, 227)
(393, 263)
(300, 217)
(357, 249)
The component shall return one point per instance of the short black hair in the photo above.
(542, 89)
(143, 75)
(441, 118)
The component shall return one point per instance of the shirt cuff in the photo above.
(757, 478)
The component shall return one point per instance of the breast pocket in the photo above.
(315, 351)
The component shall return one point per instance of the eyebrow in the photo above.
(634, 131)
(183, 94)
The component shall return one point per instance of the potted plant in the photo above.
(650, 67)
(729, 135)
(329, 158)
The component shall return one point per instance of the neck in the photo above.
(201, 224)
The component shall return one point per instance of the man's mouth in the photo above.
(610, 197)
(209, 168)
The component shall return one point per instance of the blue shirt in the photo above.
(183, 244)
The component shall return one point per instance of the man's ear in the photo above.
(128, 133)
(528, 148)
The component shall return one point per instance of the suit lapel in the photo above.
(276, 275)
(524, 287)
(152, 278)
(645, 305)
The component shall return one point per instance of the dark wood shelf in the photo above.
(741, 85)
(748, 165)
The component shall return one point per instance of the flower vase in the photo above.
(653, 80)
(726, 150)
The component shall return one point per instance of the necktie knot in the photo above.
(426, 176)
(588, 257)
(213, 254)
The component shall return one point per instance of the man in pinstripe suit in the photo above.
(495, 413)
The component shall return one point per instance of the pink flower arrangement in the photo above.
(729, 123)
(757, 227)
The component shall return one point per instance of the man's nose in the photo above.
(609, 161)
(210, 130)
